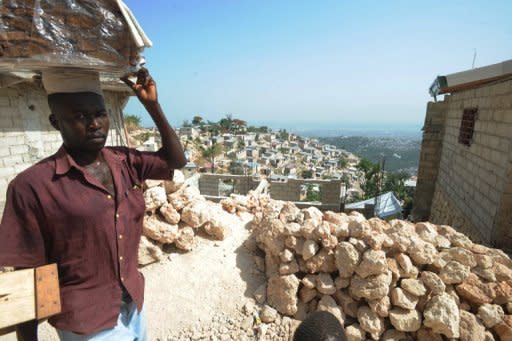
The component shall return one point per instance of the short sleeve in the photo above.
(150, 165)
(21, 241)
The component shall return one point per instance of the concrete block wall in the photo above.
(26, 135)
(430, 156)
(288, 191)
(474, 178)
(209, 183)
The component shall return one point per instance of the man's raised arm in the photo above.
(145, 89)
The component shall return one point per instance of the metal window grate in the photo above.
(467, 126)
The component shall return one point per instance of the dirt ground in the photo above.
(186, 291)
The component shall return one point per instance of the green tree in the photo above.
(240, 144)
(307, 174)
(283, 134)
(211, 153)
(132, 122)
(369, 183)
(197, 120)
(186, 123)
(343, 162)
(312, 193)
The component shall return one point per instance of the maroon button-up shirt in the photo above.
(57, 212)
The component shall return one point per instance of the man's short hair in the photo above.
(320, 326)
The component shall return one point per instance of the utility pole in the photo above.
(379, 187)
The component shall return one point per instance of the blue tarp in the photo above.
(387, 205)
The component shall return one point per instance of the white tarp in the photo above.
(386, 205)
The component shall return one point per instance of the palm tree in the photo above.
(210, 153)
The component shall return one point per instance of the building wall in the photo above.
(430, 156)
(472, 182)
(26, 135)
(289, 191)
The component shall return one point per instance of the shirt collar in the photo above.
(64, 162)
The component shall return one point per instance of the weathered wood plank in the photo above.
(47, 291)
(17, 297)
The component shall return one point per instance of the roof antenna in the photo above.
(474, 58)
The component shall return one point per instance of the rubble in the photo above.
(391, 280)
(175, 214)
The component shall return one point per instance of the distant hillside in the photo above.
(401, 154)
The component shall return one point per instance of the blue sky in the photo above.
(316, 64)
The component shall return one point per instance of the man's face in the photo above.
(81, 118)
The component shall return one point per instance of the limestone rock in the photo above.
(325, 284)
(454, 272)
(154, 197)
(413, 286)
(433, 282)
(185, 240)
(504, 328)
(309, 281)
(405, 320)
(490, 314)
(426, 334)
(282, 293)
(152, 183)
(403, 299)
(148, 252)
(170, 214)
(196, 213)
(347, 303)
(475, 291)
(268, 314)
(422, 252)
(373, 263)
(381, 306)
(341, 283)
(289, 268)
(313, 214)
(309, 249)
(307, 294)
(442, 315)
(347, 259)
(408, 269)
(470, 327)
(159, 230)
(371, 287)
(370, 322)
(286, 256)
(289, 212)
(394, 335)
(354, 332)
(503, 292)
(260, 294)
(426, 231)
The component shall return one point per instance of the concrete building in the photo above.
(465, 170)
(26, 135)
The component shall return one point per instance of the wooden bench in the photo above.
(29, 294)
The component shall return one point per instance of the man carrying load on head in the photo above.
(82, 208)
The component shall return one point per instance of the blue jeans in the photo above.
(131, 326)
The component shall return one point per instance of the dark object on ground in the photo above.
(320, 326)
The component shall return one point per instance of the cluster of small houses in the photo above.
(268, 155)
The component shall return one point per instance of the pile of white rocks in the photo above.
(175, 213)
(383, 280)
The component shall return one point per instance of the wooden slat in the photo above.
(47, 291)
(17, 293)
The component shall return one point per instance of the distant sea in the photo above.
(409, 131)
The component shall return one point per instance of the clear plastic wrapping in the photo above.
(37, 34)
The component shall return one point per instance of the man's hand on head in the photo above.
(144, 87)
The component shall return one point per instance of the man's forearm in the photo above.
(171, 145)
(27, 331)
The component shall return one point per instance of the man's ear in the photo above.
(53, 121)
